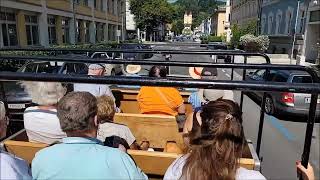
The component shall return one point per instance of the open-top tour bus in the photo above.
(161, 130)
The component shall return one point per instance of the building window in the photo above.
(302, 22)
(9, 29)
(95, 5)
(85, 2)
(99, 32)
(263, 24)
(270, 23)
(78, 31)
(65, 31)
(289, 22)
(278, 22)
(32, 29)
(101, 5)
(52, 30)
(76, 1)
(86, 32)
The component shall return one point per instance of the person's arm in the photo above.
(182, 109)
(307, 173)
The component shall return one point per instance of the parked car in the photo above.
(283, 103)
(132, 55)
(219, 46)
(111, 69)
(15, 96)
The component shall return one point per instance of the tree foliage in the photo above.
(237, 32)
(149, 14)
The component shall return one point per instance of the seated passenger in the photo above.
(94, 89)
(11, 167)
(107, 128)
(81, 155)
(215, 141)
(196, 99)
(41, 122)
(161, 100)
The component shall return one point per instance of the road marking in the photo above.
(278, 125)
(228, 75)
(223, 70)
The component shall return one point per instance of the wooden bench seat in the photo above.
(157, 129)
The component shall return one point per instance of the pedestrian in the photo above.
(202, 96)
(95, 89)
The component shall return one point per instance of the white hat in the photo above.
(195, 72)
(133, 69)
(214, 94)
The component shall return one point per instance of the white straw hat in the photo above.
(133, 69)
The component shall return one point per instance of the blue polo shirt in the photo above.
(83, 158)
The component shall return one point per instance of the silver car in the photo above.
(284, 103)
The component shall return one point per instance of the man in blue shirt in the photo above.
(81, 155)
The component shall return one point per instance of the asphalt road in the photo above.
(282, 139)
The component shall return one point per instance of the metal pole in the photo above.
(243, 79)
(74, 22)
(259, 17)
(295, 30)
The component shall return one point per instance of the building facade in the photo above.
(56, 22)
(243, 11)
(311, 49)
(218, 21)
(282, 21)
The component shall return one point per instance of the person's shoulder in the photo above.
(175, 169)
(243, 173)
(7, 158)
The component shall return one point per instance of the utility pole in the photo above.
(295, 30)
(74, 21)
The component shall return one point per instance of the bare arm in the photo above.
(182, 109)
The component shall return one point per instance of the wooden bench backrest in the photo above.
(155, 163)
(22, 149)
(157, 129)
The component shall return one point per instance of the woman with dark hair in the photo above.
(215, 139)
(161, 100)
(158, 71)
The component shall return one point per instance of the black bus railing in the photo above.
(312, 88)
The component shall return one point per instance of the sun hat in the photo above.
(206, 95)
(133, 69)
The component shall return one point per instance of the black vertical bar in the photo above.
(243, 78)
(309, 130)
(232, 68)
(261, 122)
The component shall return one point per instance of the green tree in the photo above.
(177, 26)
(149, 14)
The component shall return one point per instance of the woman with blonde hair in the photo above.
(215, 139)
(41, 121)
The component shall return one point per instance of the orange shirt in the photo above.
(151, 101)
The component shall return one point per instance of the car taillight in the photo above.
(287, 98)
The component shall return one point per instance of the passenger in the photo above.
(161, 100)
(94, 89)
(307, 173)
(41, 122)
(107, 127)
(202, 96)
(4, 121)
(81, 155)
(117, 142)
(216, 140)
(11, 167)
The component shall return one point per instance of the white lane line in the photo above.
(223, 70)
(227, 75)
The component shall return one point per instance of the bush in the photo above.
(207, 39)
(252, 43)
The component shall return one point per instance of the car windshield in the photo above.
(302, 79)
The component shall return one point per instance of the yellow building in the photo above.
(48, 22)
(218, 21)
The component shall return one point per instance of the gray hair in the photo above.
(2, 111)
(44, 93)
(76, 111)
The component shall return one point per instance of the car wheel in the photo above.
(269, 106)
(113, 72)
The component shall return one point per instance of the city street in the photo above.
(282, 140)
